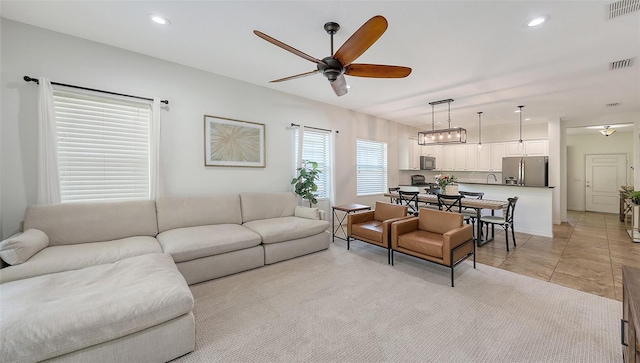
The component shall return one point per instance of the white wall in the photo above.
(582, 144)
(192, 93)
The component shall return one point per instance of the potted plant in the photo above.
(305, 182)
(444, 180)
(634, 195)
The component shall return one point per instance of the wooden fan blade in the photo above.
(287, 47)
(294, 77)
(361, 40)
(377, 71)
(339, 86)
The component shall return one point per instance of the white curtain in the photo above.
(156, 187)
(48, 176)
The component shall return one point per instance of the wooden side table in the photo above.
(347, 208)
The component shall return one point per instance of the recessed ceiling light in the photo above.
(527, 119)
(537, 21)
(160, 20)
(517, 111)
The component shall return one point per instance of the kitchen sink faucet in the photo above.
(494, 177)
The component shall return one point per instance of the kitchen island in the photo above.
(534, 210)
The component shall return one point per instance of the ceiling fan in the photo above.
(340, 63)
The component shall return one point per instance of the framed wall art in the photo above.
(229, 142)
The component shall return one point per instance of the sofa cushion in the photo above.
(72, 223)
(256, 206)
(51, 315)
(72, 257)
(186, 244)
(176, 212)
(426, 243)
(18, 249)
(286, 228)
(306, 212)
(371, 230)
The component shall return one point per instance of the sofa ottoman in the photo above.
(137, 309)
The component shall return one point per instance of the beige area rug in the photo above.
(350, 306)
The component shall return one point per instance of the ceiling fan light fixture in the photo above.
(455, 135)
(607, 131)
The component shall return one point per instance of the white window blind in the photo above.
(316, 147)
(371, 167)
(103, 147)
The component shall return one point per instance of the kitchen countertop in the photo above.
(478, 183)
(504, 185)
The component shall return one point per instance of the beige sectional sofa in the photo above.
(116, 273)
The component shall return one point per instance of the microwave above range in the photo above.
(427, 163)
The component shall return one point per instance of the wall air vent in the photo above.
(621, 7)
(614, 104)
(621, 63)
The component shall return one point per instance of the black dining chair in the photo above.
(451, 203)
(471, 212)
(410, 199)
(506, 221)
(394, 200)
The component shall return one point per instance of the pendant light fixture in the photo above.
(521, 144)
(443, 136)
(480, 130)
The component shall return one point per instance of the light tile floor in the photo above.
(586, 253)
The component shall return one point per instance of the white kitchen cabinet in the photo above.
(490, 156)
(409, 155)
(471, 157)
(536, 147)
(528, 148)
(448, 157)
(498, 151)
(459, 157)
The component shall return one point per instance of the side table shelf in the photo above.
(346, 209)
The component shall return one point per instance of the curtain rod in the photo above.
(29, 79)
(315, 128)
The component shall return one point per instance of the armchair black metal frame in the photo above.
(505, 221)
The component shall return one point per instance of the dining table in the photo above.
(477, 204)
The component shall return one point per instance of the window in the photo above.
(316, 147)
(371, 167)
(103, 147)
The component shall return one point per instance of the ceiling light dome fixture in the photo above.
(160, 20)
(607, 131)
(539, 20)
(456, 135)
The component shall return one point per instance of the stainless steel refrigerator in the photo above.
(529, 171)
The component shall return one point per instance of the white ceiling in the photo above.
(477, 52)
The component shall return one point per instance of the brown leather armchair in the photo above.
(435, 236)
(375, 226)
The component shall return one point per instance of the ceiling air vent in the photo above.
(621, 7)
(615, 104)
(621, 63)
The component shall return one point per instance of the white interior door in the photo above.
(605, 175)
